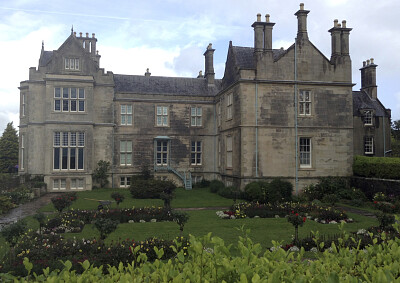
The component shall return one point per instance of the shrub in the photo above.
(202, 184)
(117, 197)
(326, 186)
(12, 232)
(105, 226)
(180, 218)
(279, 190)
(5, 204)
(63, 201)
(229, 192)
(331, 199)
(255, 191)
(100, 174)
(151, 188)
(385, 220)
(216, 185)
(377, 167)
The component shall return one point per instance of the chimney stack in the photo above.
(147, 74)
(268, 26)
(368, 78)
(335, 40)
(209, 64)
(302, 22)
(258, 34)
(344, 39)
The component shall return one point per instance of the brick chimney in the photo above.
(258, 34)
(209, 64)
(335, 40)
(302, 22)
(344, 39)
(368, 78)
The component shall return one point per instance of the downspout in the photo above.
(384, 135)
(112, 142)
(256, 118)
(215, 142)
(295, 119)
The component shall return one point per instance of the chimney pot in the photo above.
(258, 17)
(87, 34)
(339, 25)
(372, 61)
(80, 34)
(367, 62)
(93, 35)
(267, 18)
(147, 74)
(301, 6)
(335, 23)
(209, 46)
(200, 75)
(74, 33)
(364, 63)
(344, 23)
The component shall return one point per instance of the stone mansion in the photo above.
(275, 113)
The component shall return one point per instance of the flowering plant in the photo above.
(296, 219)
(117, 197)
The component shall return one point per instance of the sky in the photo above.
(170, 36)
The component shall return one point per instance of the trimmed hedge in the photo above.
(377, 167)
(151, 188)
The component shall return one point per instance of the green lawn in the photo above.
(201, 222)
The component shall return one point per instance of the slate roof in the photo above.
(45, 58)
(361, 100)
(165, 85)
(245, 56)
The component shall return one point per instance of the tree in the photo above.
(9, 149)
(395, 138)
(100, 173)
(396, 129)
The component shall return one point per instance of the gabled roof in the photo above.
(165, 85)
(361, 100)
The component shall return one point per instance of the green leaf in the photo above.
(85, 265)
(28, 265)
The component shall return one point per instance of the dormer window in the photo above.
(72, 64)
(368, 118)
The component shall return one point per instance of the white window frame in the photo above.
(229, 106)
(196, 153)
(59, 184)
(72, 64)
(125, 147)
(305, 103)
(368, 118)
(69, 145)
(124, 181)
(229, 152)
(368, 145)
(305, 152)
(162, 152)
(196, 114)
(162, 116)
(69, 100)
(126, 114)
(77, 184)
(23, 105)
(22, 167)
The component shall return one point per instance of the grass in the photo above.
(201, 222)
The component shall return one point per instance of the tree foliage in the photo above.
(9, 149)
(100, 173)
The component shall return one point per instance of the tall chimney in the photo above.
(344, 39)
(302, 22)
(368, 78)
(268, 33)
(335, 40)
(209, 64)
(258, 34)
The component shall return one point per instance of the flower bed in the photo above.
(75, 220)
(314, 212)
(48, 251)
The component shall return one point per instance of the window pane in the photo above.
(123, 122)
(123, 109)
(193, 111)
(122, 146)
(128, 181)
(62, 184)
(76, 64)
(165, 111)
(198, 121)
(73, 139)
(193, 123)
(122, 158)
(65, 92)
(57, 92)
(66, 63)
(80, 158)
(129, 109)
(165, 121)
(80, 183)
(73, 105)
(81, 93)
(57, 105)
(72, 158)
(65, 105)
(64, 160)
(81, 105)
(128, 159)
(56, 139)
(56, 184)
(129, 146)
(81, 139)
(122, 181)
(159, 122)
(199, 111)
(129, 120)
(65, 139)
(159, 110)
(73, 92)
(56, 158)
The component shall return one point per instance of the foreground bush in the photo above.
(151, 188)
(275, 191)
(208, 259)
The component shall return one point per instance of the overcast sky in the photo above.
(169, 37)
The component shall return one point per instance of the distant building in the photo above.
(275, 113)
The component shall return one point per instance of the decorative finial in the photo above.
(42, 44)
(72, 29)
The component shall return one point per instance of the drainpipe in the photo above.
(295, 118)
(215, 142)
(256, 111)
(112, 143)
(384, 135)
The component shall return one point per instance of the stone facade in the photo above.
(276, 113)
